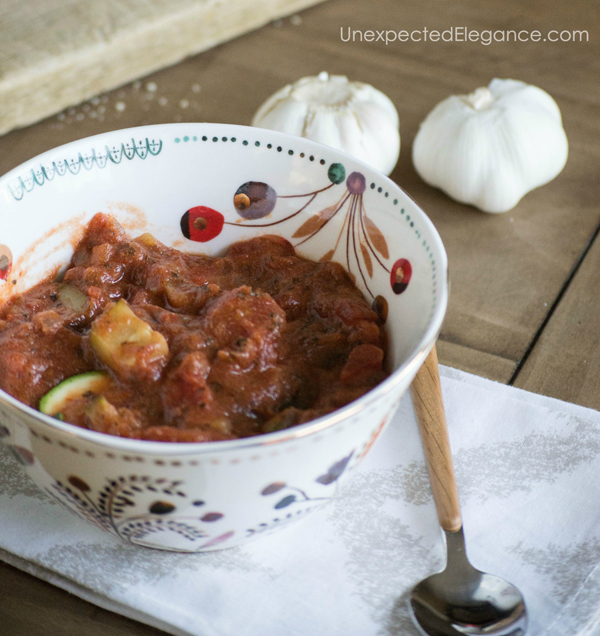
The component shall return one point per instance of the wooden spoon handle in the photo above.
(426, 392)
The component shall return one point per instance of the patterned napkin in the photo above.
(528, 470)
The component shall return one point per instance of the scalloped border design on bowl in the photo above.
(43, 173)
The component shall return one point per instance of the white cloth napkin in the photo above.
(528, 470)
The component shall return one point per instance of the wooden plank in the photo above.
(31, 607)
(54, 54)
(565, 363)
(477, 362)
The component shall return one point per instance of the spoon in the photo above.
(460, 600)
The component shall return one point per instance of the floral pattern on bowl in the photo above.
(117, 508)
(359, 244)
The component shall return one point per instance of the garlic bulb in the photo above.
(349, 116)
(493, 146)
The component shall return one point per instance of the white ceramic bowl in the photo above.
(198, 497)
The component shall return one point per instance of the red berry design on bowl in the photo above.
(202, 224)
(400, 275)
(5, 262)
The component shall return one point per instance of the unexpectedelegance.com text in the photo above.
(461, 34)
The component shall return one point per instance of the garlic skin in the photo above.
(493, 146)
(350, 116)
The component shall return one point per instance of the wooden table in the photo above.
(524, 306)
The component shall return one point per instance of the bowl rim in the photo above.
(409, 367)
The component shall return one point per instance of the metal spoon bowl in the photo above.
(460, 600)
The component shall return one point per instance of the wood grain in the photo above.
(474, 361)
(565, 362)
(54, 54)
(426, 393)
(31, 607)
